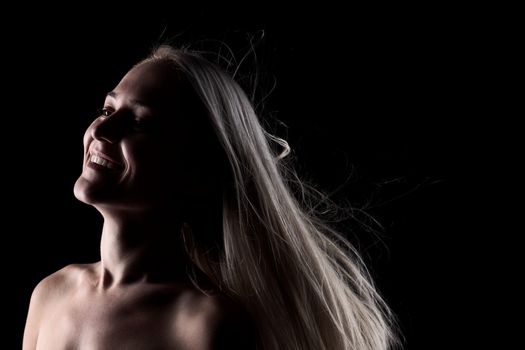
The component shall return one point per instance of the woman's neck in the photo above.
(141, 248)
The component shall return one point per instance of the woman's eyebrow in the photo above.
(114, 95)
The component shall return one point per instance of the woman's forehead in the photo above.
(159, 87)
(152, 83)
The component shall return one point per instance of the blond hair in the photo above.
(303, 282)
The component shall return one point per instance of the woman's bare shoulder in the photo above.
(231, 325)
(221, 322)
(64, 280)
(212, 304)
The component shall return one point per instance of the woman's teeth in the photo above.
(102, 162)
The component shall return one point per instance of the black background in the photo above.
(379, 95)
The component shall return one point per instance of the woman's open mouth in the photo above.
(96, 161)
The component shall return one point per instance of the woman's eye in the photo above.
(105, 112)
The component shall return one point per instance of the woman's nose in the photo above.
(108, 129)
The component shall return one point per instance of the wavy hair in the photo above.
(304, 284)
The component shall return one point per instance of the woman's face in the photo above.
(143, 150)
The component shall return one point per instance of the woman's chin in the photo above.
(79, 190)
(87, 192)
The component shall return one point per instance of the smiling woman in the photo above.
(203, 244)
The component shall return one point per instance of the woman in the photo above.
(203, 244)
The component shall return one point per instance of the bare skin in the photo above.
(138, 296)
(69, 310)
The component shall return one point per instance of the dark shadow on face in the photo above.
(153, 147)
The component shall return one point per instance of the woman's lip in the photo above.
(105, 157)
(96, 166)
(99, 160)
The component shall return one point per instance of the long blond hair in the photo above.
(302, 281)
